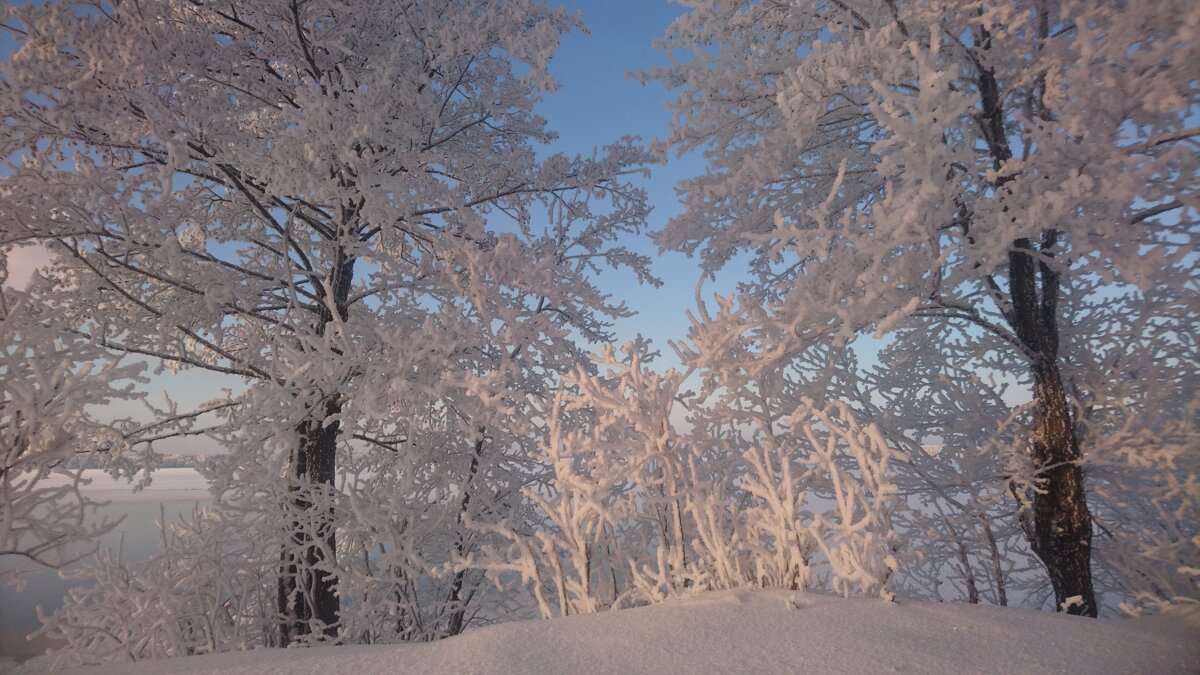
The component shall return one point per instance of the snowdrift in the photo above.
(758, 632)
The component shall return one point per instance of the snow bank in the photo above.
(759, 632)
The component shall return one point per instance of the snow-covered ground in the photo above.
(760, 632)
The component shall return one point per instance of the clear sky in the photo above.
(596, 104)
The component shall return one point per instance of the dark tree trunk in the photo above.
(1060, 530)
(307, 598)
(458, 605)
(1060, 527)
(306, 595)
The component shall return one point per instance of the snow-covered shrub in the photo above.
(607, 526)
(802, 501)
(856, 535)
(209, 589)
(637, 512)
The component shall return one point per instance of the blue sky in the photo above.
(597, 104)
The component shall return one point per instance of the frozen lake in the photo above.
(173, 492)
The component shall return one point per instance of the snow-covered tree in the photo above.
(979, 166)
(338, 202)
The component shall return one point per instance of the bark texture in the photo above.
(1060, 526)
(307, 595)
(1057, 521)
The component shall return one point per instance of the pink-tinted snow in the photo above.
(759, 632)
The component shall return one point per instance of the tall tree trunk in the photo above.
(1061, 528)
(307, 597)
(458, 604)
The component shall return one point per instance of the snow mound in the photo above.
(759, 632)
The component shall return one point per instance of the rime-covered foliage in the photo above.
(639, 512)
(1004, 194)
(204, 592)
(339, 203)
(963, 365)
(48, 378)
